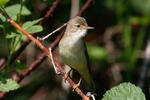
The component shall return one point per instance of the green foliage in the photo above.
(8, 86)
(131, 52)
(14, 10)
(19, 66)
(30, 26)
(3, 2)
(141, 6)
(2, 18)
(12, 35)
(97, 54)
(118, 6)
(125, 91)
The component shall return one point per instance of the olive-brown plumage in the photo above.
(72, 48)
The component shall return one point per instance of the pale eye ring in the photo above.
(78, 26)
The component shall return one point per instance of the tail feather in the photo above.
(89, 83)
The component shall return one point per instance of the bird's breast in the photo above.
(70, 50)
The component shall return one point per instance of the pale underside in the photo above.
(72, 52)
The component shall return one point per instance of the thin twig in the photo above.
(50, 11)
(45, 37)
(86, 5)
(53, 63)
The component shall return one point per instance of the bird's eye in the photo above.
(78, 26)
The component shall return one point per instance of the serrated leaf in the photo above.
(30, 23)
(3, 2)
(35, 28)
(13, 10)
(125, 91)
(8, 86)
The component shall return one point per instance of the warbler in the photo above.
(72, 48)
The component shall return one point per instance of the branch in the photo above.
(50, 11)
(86, 5)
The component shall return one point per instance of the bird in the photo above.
(72, 49)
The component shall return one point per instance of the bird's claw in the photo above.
(66, 75)
(77, 85)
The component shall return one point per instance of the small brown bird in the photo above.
(72, 48)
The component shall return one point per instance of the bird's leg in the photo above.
(77, 85)
(55, 68)
(67, 74)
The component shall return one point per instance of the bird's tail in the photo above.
(89, 84)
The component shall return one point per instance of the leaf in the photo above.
(13, 10)
(30, 23)
(35, 28)
(2, 18)
(9, 85)
(125, 91)
(3, 2)
(12, 35)
(17, 42)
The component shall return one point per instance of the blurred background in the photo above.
(118, 47)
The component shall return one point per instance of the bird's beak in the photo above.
(88, 27)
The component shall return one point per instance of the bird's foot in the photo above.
(67, 74)
(77, 85)
(91, 95)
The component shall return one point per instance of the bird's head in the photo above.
(77, 26)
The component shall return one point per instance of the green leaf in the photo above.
(9, 85)
(13, 10)
(12, 35)
(2, 18)
(125, 91)
(34, 29)
(30, 23)
(17, 42)
(3, 2)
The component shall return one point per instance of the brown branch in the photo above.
(23, 46)
(50, 11)
(86, 5)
